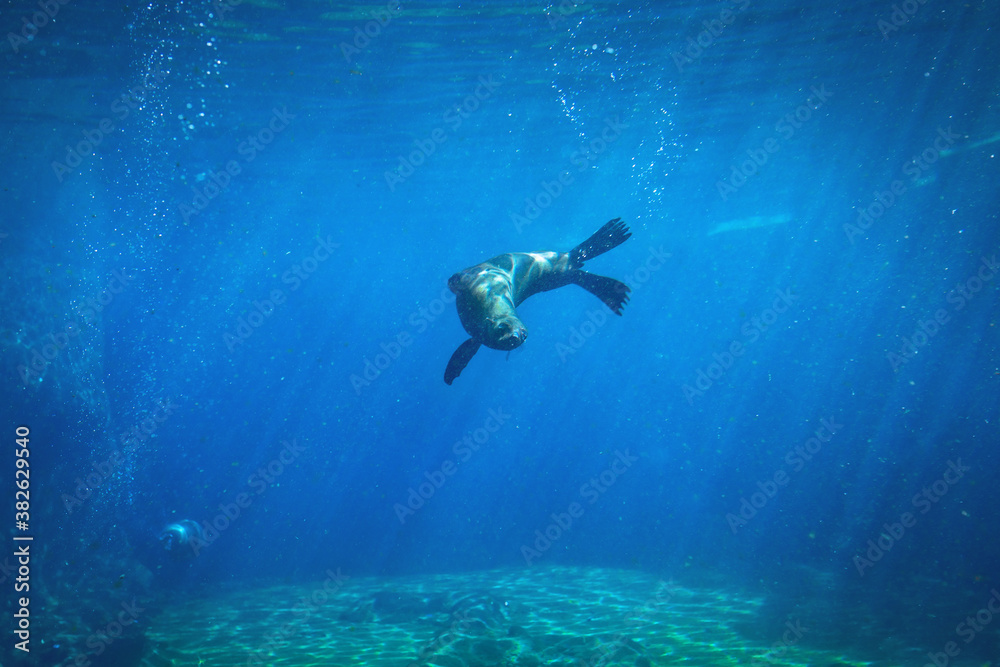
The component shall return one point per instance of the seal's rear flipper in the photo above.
(460, 359)
(611, 235)
(613, 293)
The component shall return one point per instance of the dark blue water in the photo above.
(263, 205)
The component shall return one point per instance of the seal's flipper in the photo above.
(611, 235)
(613, 293)
(460, 359)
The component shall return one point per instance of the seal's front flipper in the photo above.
(460, 359)
(613, 293)
(611, 235)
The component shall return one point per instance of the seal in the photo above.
(487, 295)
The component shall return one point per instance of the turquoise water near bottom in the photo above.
(539, 616)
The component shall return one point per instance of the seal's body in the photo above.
(487, 294)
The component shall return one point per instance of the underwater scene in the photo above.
(472, 334)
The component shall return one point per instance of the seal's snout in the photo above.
(512, 335)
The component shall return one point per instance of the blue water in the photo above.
(270, 218)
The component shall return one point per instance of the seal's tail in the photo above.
(613, 293)
(604, 239)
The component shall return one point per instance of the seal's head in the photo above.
(504, 332)
(184, 533)
(486, 310)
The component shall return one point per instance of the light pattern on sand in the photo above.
(536, 616)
